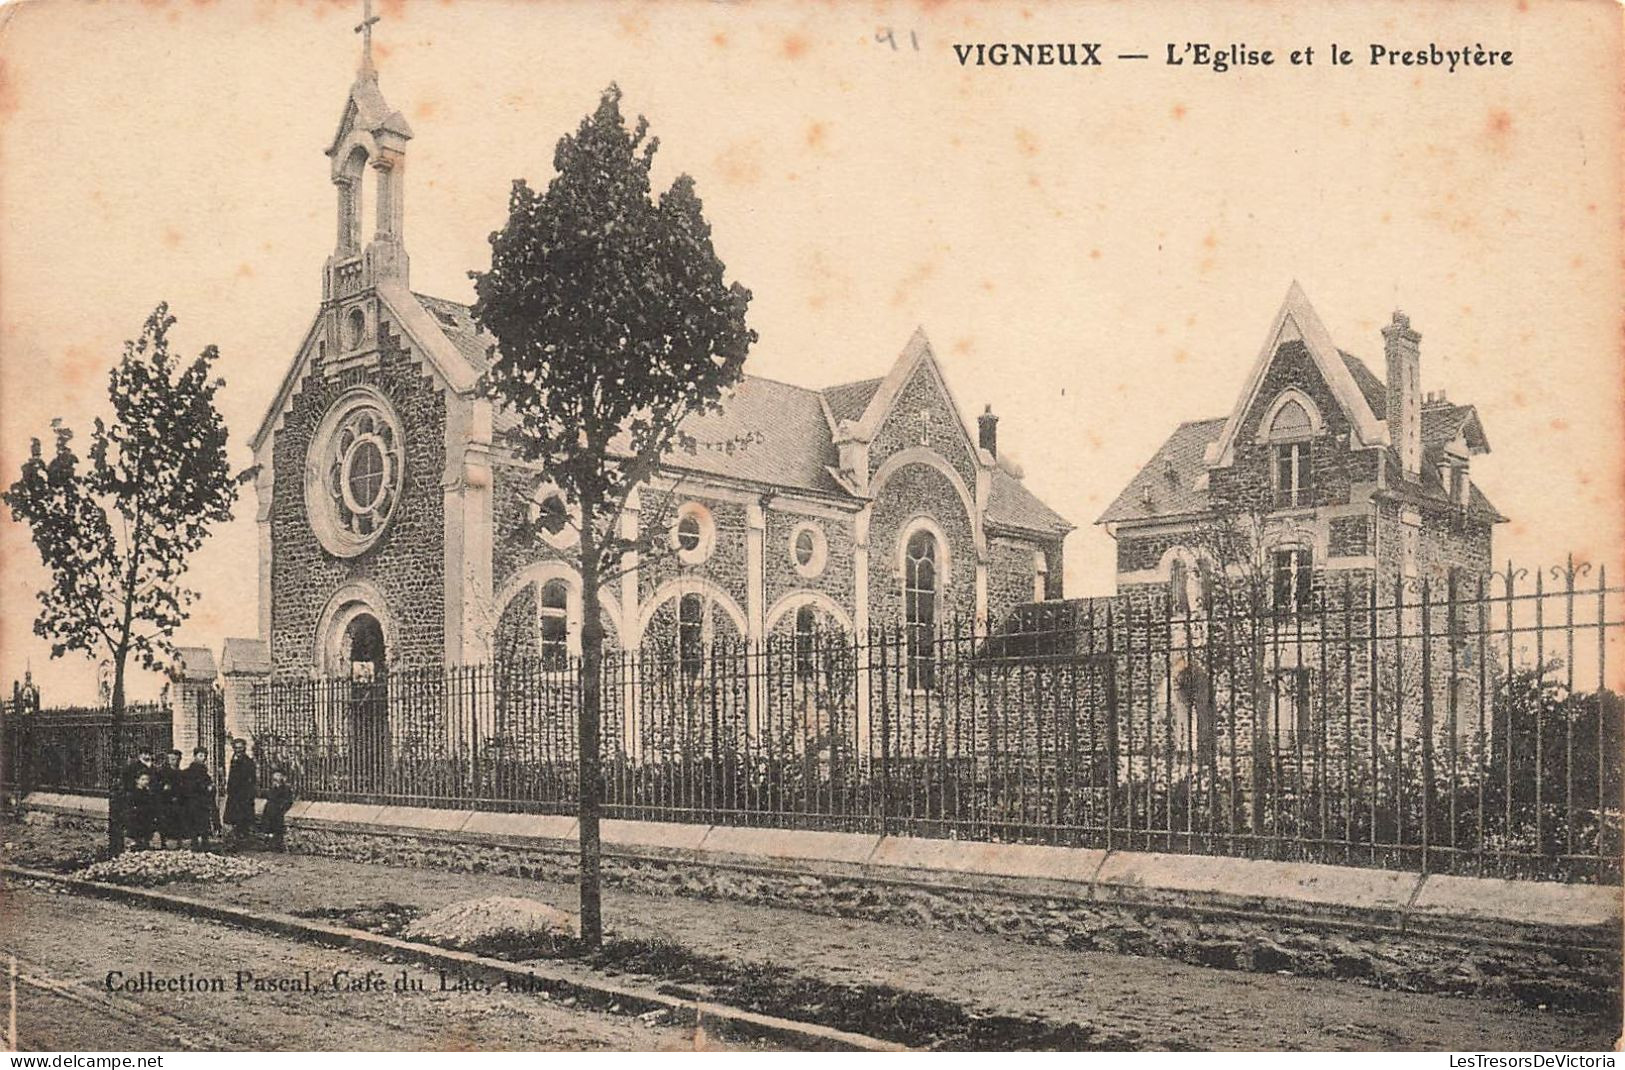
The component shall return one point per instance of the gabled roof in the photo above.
(1297, 321)
(366, 109)
(916, 354)
(1173, 482)
(456, 321)
(847, 401)
(1373, 389)
(765, 432)
(1443, 423)
(1011, 505)
(455, 353)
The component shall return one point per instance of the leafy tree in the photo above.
(613, 324)
(117, 533)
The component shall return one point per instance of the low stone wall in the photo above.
(1542, 943)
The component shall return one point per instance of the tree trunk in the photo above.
(115, 785)
(592, 656)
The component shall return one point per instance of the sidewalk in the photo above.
(1121, 1001)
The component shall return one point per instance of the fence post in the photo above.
(1426, 633)
(1111, 727)
(885, 735)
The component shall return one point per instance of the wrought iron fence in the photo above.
(1459, 728)
(70, 749)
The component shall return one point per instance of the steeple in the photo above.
(371, 135)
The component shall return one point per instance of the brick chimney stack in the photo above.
(987, 428)
(1401, 347)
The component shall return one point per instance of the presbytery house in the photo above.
(1322, 468)
(397, 526)
(1320, 506)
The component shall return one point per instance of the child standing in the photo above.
(278, 801)
(144, 812)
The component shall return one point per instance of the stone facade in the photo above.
(1364, 477)
(422, 545)
(406, 563)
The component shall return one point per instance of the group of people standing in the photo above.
(178, 805)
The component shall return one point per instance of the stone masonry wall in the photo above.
(407, 563)
(1259, 940)
(902, 428)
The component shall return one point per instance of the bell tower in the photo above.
(371, 137)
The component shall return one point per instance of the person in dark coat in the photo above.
(197, 800)
(143, 812)
(172, 814)
(119, 803)
(278, 801)
(242, 785)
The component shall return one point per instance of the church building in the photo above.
(397, 526)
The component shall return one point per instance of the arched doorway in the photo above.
(367, 713)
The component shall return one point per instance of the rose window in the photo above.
(354, 476)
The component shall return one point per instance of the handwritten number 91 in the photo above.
(886, 36)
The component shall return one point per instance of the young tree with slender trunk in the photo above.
(117, 534)
(613, 323)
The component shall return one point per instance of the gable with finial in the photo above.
(1297, 321)
(914, 408)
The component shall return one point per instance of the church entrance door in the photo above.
(368, 712)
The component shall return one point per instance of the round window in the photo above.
(694, 534)
(557, 522)
(354, 471)
(808, 550)
(688, 533)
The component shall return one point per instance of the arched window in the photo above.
(920, 586)
(1293, 474)
(355, 330)
(806, 642)
(691, 634)
(554, 619)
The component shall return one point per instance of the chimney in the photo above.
(987, 428)
(1401, 347)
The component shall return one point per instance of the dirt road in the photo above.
(104, 976)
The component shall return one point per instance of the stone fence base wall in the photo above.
(1542, 943)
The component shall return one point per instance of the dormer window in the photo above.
(1292, 472)
(1458, 484)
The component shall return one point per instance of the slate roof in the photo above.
(848, 401)
(1011, 505)
(1373, 389)
(1442, 422)
(458, 324)
(1171, 475)
(1175, 492)
(767, 432)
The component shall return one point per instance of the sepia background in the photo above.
(1097, 253)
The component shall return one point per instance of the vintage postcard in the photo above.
(777, 526)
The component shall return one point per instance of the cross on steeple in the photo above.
(365, 30)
